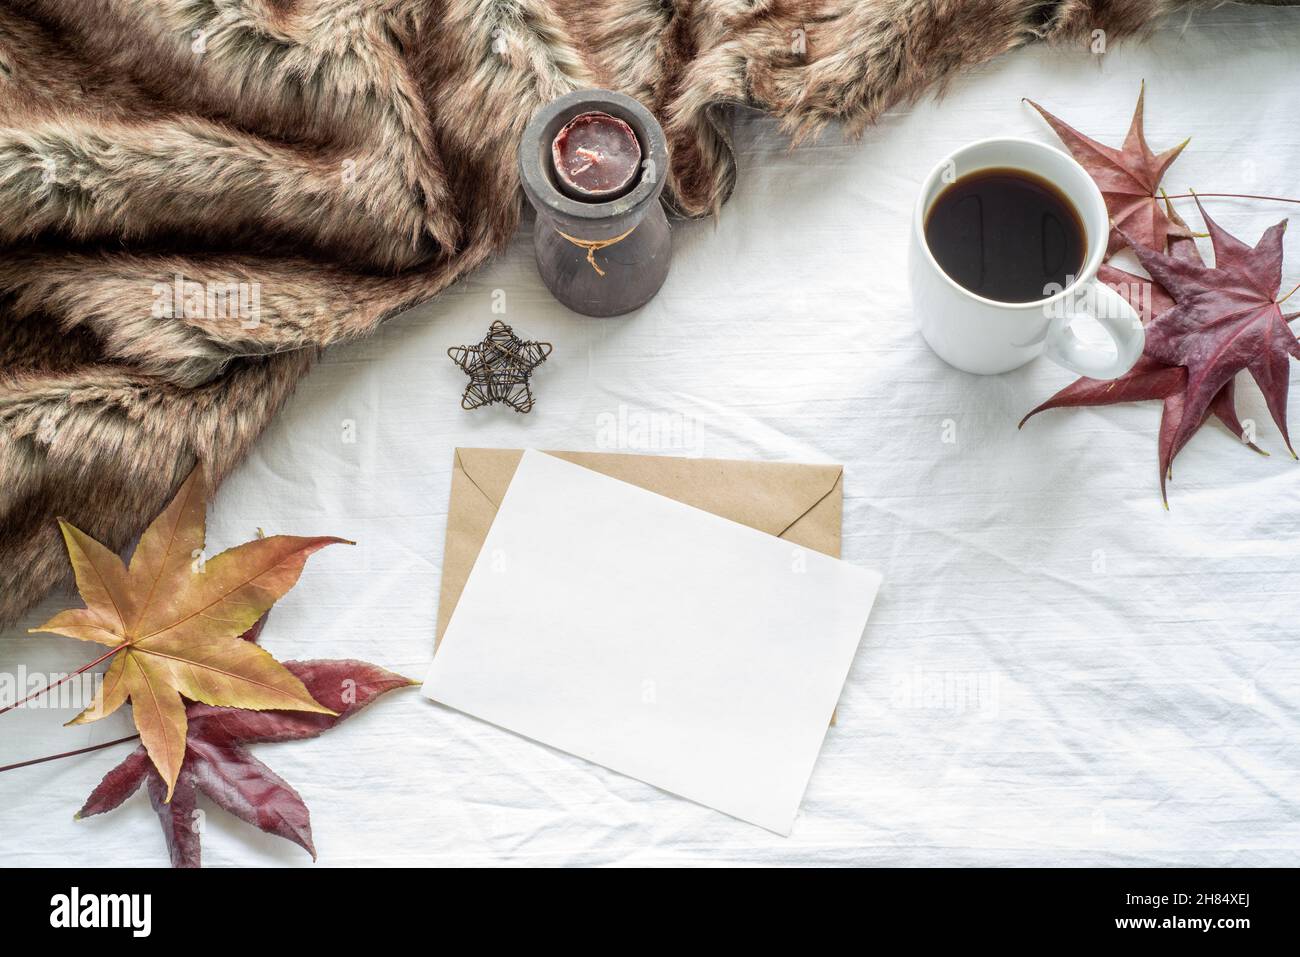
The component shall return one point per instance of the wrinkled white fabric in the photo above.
(1057, 670)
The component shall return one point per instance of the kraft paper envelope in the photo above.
(802, 504)
(654, 638)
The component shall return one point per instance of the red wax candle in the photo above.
(596, 157)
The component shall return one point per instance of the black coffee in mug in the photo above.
(1006, 235)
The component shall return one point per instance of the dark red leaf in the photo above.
(1148, 379)
(1154, 377)
(1128, 179)
(179, 817)
(1225, 319)
(1147, 298)
(251, 791)
(118, 784)
(217, 764)
(344, 686)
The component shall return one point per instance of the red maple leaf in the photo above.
(1225, 319)
(1128, 179)
(1152, 378)
(217, 763)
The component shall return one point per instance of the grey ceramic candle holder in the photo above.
(580, 271)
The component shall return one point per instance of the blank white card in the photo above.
(656, 639)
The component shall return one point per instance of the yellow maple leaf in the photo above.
(176, 621)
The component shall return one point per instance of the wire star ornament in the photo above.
(498, 368)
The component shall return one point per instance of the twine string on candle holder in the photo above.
(594, 245)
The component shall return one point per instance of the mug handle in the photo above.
(1117, 317)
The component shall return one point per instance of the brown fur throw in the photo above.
(196, 196)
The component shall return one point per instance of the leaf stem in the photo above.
(1288, 295)
(1271, 199)
(69, 754)
(67, 677)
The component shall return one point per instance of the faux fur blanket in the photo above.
(196, 196)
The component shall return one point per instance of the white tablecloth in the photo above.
(1057, 671)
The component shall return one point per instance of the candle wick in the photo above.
(592, 156)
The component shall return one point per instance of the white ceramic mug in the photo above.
(984, 336)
